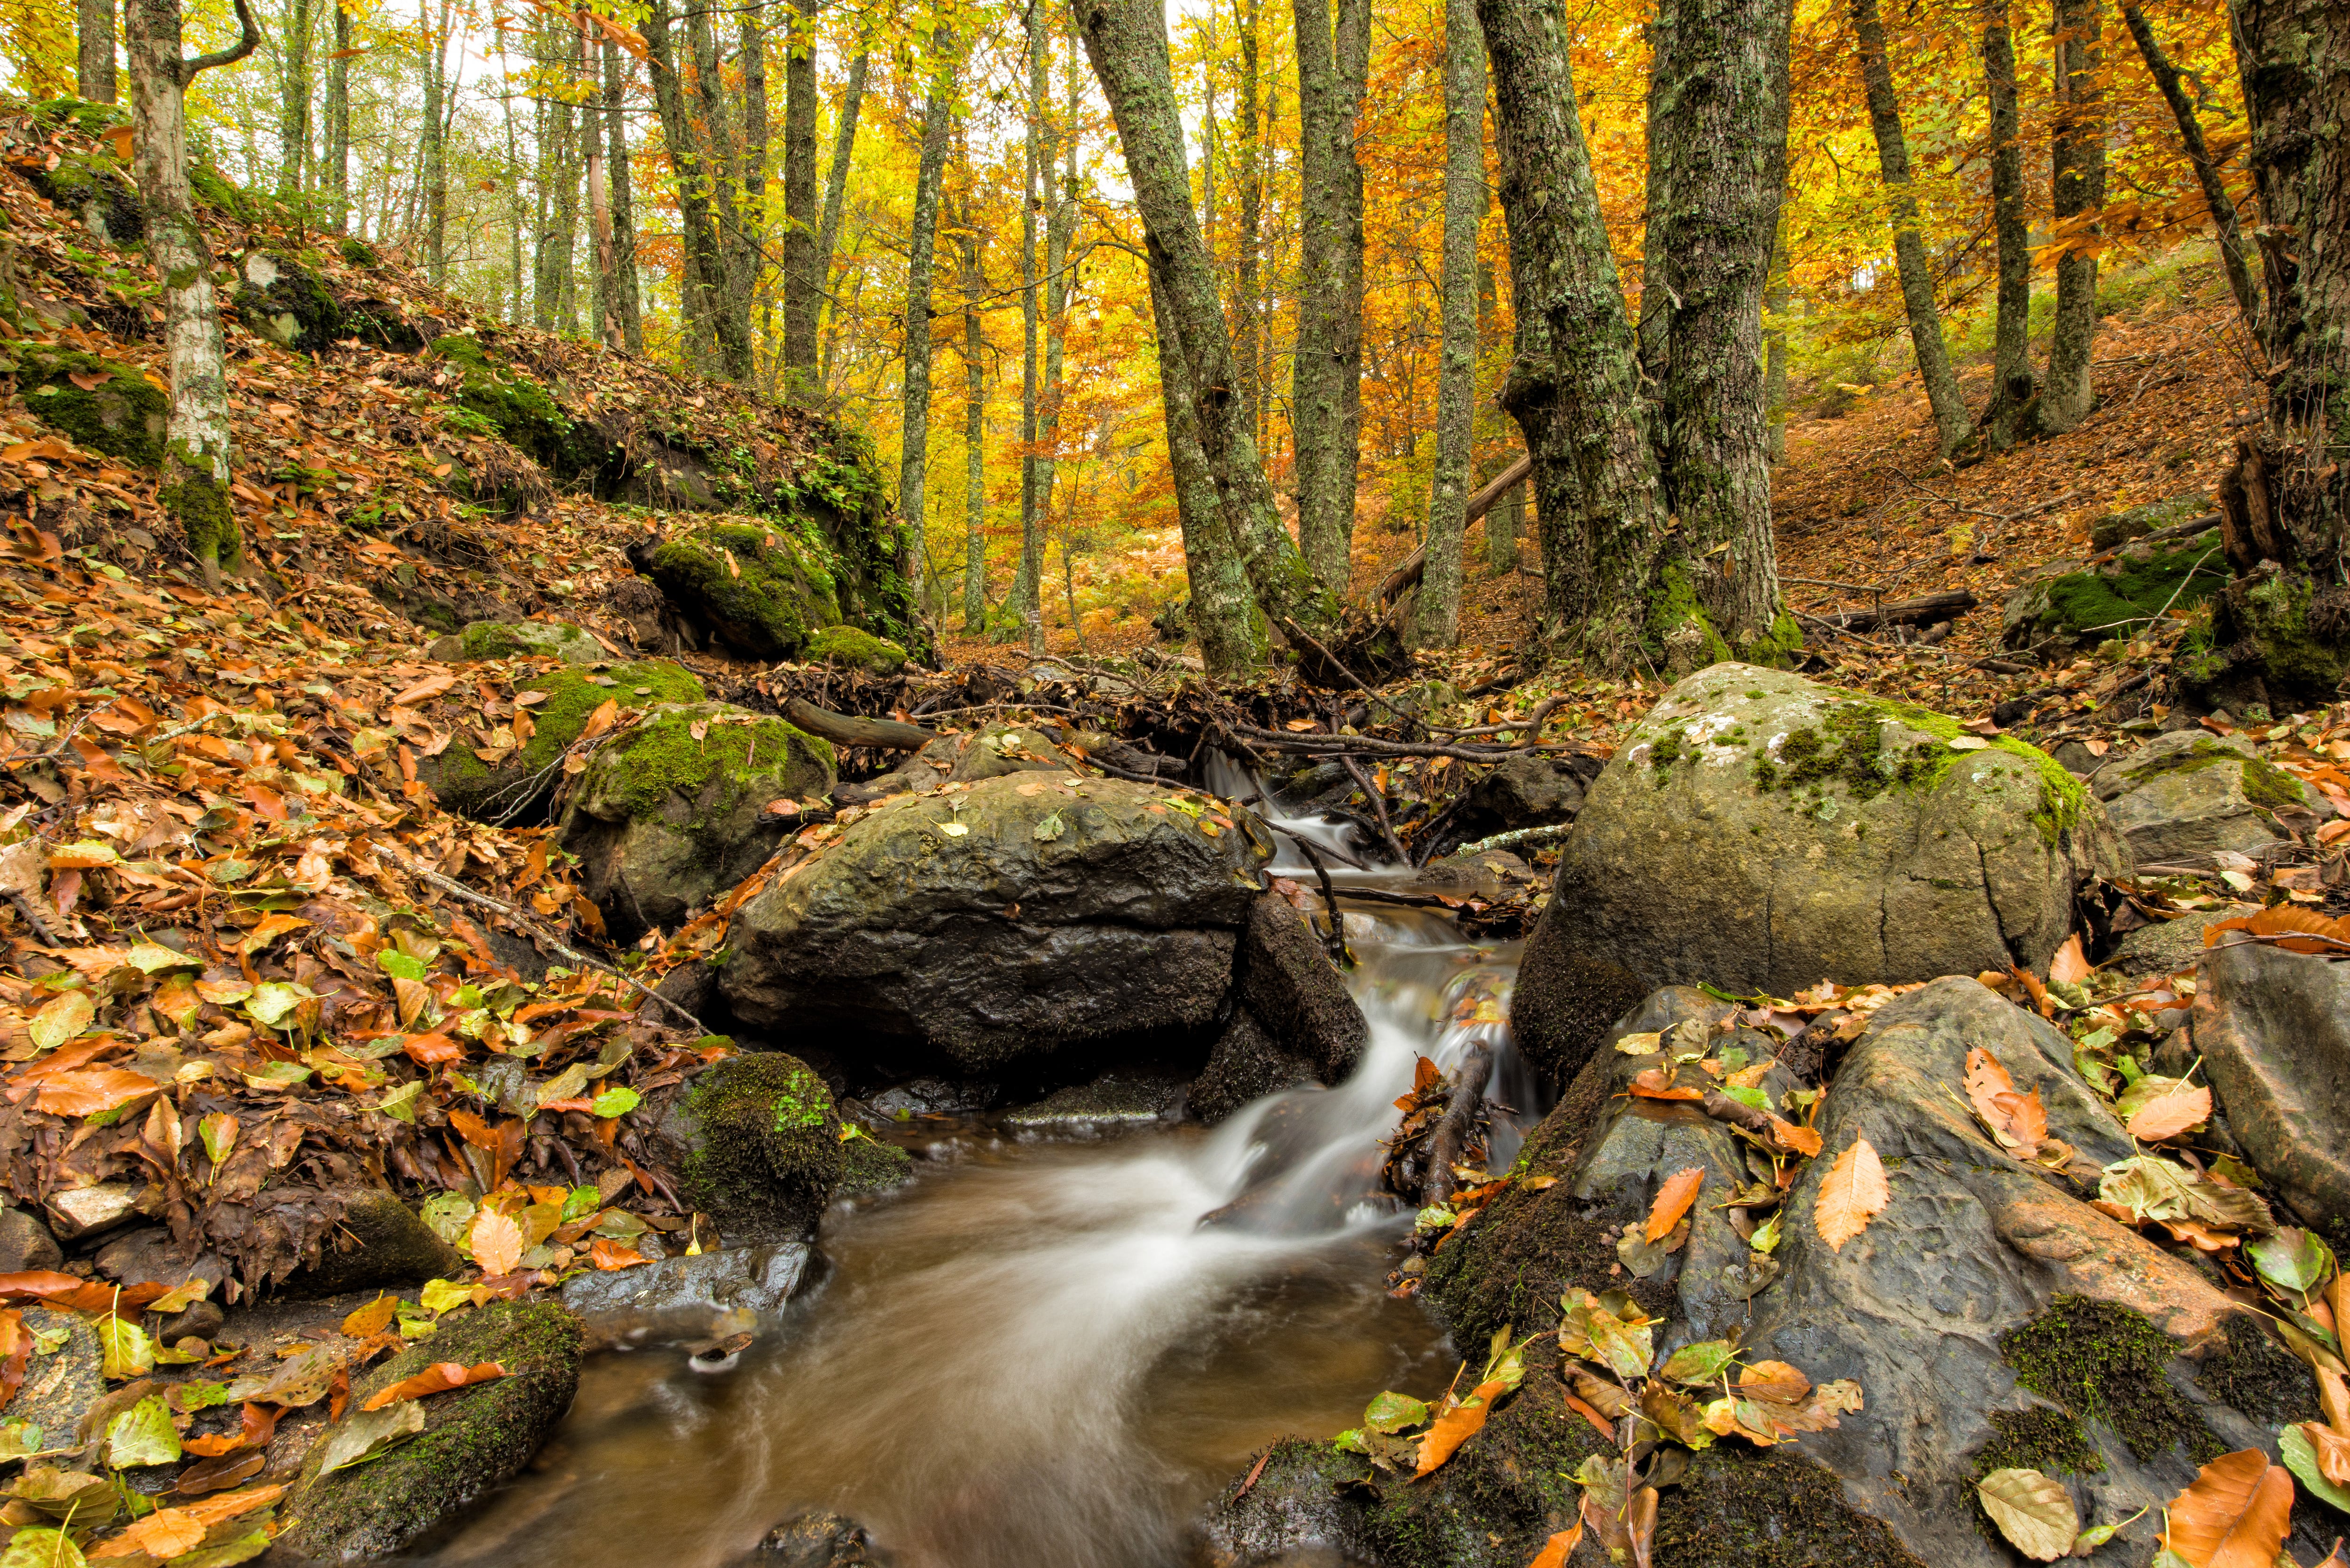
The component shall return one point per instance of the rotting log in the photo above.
(885, 734)
(1922, 611)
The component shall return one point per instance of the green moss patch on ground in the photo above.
(2106, 1363)
(2044, 1439)
(2128, 594)
(122, 414)
(1741, 1509)
(662, 759)
(846, 645)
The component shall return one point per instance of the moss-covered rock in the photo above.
(1738, 1508)
(676, 810)
(474, 1439)
(94, 186)
(850, 649)
(869, 1166)
(764, 1145)
(2116, 529)
(483, 639)
(2182, 795)
(378, 1242)
(519, 408)
(2120, 598)
(515, 783)
(106, 407)
(279, 298)
(765, 591)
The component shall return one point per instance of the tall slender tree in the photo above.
(2229, 232)
(2011, 386)
(1438, 607)
(1327, 398)
(293, 99)
(938, 109)
(974, 284)
(2077, 195)
(1036, 176)
(336, 174)
(803, 269)
(432, 173)
(1248, 243)
(94, 49)
(1221, 608)
(627, 297)
(836, 182)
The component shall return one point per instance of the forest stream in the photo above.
(1047, 1352)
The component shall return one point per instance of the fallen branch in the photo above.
(1412, 567)
(1460, 1119)
(1516, 836)
(1921, 611)
(1337, 940)
(1379, 807)
(1333, 746)
(885, 734)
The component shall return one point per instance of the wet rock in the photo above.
(1295, 1022)
(849, 649)
(1485, 874)
(1114, 1099)
(474, 1439)
(1306, 1500)
(514, 782)
(2182, 795)
(814, 1540)
(762, 1147)
(1533, 790)
(26, 1243)
(1019, 919)
(2165, 947)
(930, 1098)
(1759, 832)
(2274, 1030)
(685, 1293)
(199, 1319)
(377, 1242)
(110, 408)
(522, 639)
(279, 298)
(61, 1384)
(675, 811)
(869, 1166)
(2116, 529)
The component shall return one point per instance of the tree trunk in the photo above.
(562, 232)
(626, 300)
(605, 325)
(1916, 275)
(294, 112)
(1326, 403)
(2011, 388)
(337, 177)
(1060, 204)
(835, 193)
(2076, 195)
(1721, 101)
(1775, 301)
(195, 470)
(1439, 605)
(914, 465)
(431, 177)
(1127, 41)
(2291, 483)
(1035, 175)
(1248, 245)
(1222, 611)
(94, 49)
(702, 290)
(2216, 200)
(1574, 386)
(803, 269)
(974, 437)
(1504, 523)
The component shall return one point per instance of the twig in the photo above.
(1337, 942)
(1299, 632)
(1517, 836)
(1452, 1131)
(1379, 807)
(41, 928)
(458, 890)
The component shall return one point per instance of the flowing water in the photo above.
(1043, 1354)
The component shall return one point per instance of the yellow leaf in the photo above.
(1854, 1193)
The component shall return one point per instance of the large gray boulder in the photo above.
(1294, 1021)
(2274, 1030)
(2182, 795)
(1017, 918)
(1760, 833)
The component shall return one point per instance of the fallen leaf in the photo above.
(424, 691)
(2034, 1512)
(1559, 1548)
(1657, 1083)
(438, 1378)
(1673, 1200)
(93, 1090)
(1457, 1425)
(369, 1435)
(609, 1254)
(2169, 1115)
(2069, 967)
(1854, 1193)
(496, 1242)
(2233, 1514)
(373, 1318)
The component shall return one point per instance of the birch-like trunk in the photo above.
(1036, 173)
(1326, 401)
(1438, 610)
(431, 176)
(627, 299)
(835, 195)
(336, 178)
(2166, 75)
(94, 49)
(922, 250)
(974, 436)
(2011, 386)
(2076, 195)
(803, 269)
(198, 451)
(1916, 274)
(604, 323)
(293, 99)
(1059, 198)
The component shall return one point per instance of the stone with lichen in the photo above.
(2181, 797)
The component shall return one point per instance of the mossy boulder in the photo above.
(378, 1242)
(849, 649)
(1022, 918)
(764, 1147)
(2116, 529)
(95, 186)
(483, 639)
(520, 408)
(474, 1439)
(509, 783)
(675, 811)
(106, 407)
(2122, 598)
(2182, 795)
(869, 1166)
(1759, 832)
(2277, 639)
(765, 591)
(279, 298)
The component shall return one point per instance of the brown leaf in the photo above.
(1657, 1083)
(2169, 1115)
(2305, 931)
(1854, 1193)
(93, 1090)
(2233, 1514)
(432, 686)
(1673, 1200)
(1559, 1548)
(373, 1318)
(606, 715)
(437, 1378)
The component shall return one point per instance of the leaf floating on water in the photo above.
(369, 1435)
(1854, 1193)
(2034, 1512)
(1673, 1200)
(2233, 1514)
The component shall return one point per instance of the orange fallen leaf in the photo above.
(438, 1378)
(2233, 1514)
(606, 715)
(153, 1534)
(2303, 930)
(2169, 1115)
(432, 686)
(373, 1318)
(608, 1254)
(2332, 1451)
(93, 1090)
(1559, 1548)
(496, 1241)
(1457, 1426)
(1854, 1193)
(2069, 966)
(1794, 1138)
(1673, 1200)
(1656, 1084)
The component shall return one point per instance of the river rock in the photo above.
(761, 1149)
(1294, 1021)
(1022, 918)
(815, 1539)
(2182, 795)
(686, 1294)
(2274, 1030)
(1760, 832)
(26, 1243)
(675, 811)
(61, 1384)
(1533, 789)
(519, 639)
(474, 1439)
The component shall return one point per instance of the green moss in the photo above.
(870, 1166)
(520, 408)
(2265, 784)
(2129, 594)
(2271, 788)
(295, 311)
(766, 590)
(81, 114)
(358, 252)
(2276, 612)
(662, 758)
(846, 645)
(2042, 1438)
(766, 1149)
(2249, 1372)
(574, 694)
(1673, 604)
(1741, 1509)
(1779, 647)
(2104, 1361)
(1666, 750)
(200, 504)
(125, 415)
(1516, 1258)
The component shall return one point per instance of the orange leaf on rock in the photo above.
(373, 1318)
(2169, 1115)
(1457, 1426)
(1559, 1548)
(605, 1253)
(437, 1378)
(1854, 1193)
(1657, 1083)
(496, 1242)
(2233, 1514)
(2302, 930)
(1794, 1137)
(1673, 1200)
(606, 715)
